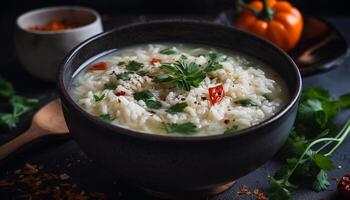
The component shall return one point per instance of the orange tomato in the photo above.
(277, 21)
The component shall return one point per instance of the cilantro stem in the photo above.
(343, 133)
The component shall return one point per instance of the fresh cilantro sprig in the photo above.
(181, 75)
(187, 128)
(214, 61)
(146, 96)
(310, 144)
(19, 105)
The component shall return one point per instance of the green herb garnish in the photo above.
(246, 102)
(183, 57)
(168, 51)
(134, 66)
(182, 75)
(231, 129)
(267, 97)
(142, 73)
(153, 104)
(125, 76)
(121, 63)
(19, 105)
(110, 86)
(179, 107)
(106, 117)
(310, 144)
(187, 128)
(144, 95)
(213, 63)
(99, 98)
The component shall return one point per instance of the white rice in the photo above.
(242, 78)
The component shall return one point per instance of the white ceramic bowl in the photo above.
(40, 52)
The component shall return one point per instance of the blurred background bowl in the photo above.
(40, 52)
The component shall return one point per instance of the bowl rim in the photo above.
(96, 21)
(65, 96)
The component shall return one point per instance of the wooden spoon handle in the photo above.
(31, 134)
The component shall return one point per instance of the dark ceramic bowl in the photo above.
(179, 165)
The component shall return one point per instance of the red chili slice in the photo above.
(216, 94)
(98, 66)
(121, 93)
(154, 60)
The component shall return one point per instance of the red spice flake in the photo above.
(121, 93)
(98, 66)
(216, 94)
(155, 60)
(55, 25)
(226, 121)
(258, 194)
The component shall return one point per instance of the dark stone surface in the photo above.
(63, 155)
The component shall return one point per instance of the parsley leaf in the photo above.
(106, 117)
(123, 76)
(6, 89)
(168, 51)
(144, 95)
(179, 107)
(187, 128)
(246, 102)
(153, 104)
(142, 73)
(280, 189)
(99, 98)
(182, 75)
(231, 129)
(321, 182)
(22, 104)
(134, 66)
(8, 119)
(110, 86)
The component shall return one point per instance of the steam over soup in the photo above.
(179, 90)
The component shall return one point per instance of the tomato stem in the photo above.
(241, 5)
(267, 13)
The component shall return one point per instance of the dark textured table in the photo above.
(62, 155)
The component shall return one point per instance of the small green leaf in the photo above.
(121, 63)
(213, 67)
(153, 104)
(134, 66)
(8, 119)
(125, 76)
(163, 78)
(231, 129)
(323, 162)
(187, 128)
(142, 73)
(183, 57)
(179, 107)
(344, 101)
(22, 104)
(146, 94)
(110, 86)
(99, 98)
(267, 97)
(6, 89)
(280, 189)
(168, 51)
(246, 102)
(321, 182)
(106, 117)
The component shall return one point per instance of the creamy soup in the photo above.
(178, 89)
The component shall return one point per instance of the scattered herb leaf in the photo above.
(125, 76)
(106, 117)
(246, 102)
(179, 107)
(121, 63)
(168, 51)
(110, 86)
(231, 129)
(144, 95)
(99, 98)
(187, 128)
(134, 65)
(153, 104)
